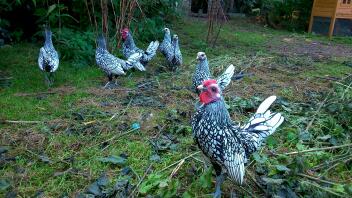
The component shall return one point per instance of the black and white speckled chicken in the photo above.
(110, 64)
(171, 50)
(48, 59)
(227, 145)
(129, 48)
(165, 45)
(202, 73)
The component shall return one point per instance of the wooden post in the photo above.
(311, 18)
(332, 21)
(332, 26)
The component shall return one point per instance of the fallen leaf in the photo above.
(126, 170)
(4, 184)
(269, 180)
(282, 168)
(155, 158)
(94, 189)
(103, 180)
(116, 160)
(3, 149)
(44, 158)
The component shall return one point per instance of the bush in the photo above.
(77, 46)
(285, 14)
(289, 14)
(72, 28)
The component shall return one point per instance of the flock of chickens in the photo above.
(227, 145)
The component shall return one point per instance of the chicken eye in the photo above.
(213, 89)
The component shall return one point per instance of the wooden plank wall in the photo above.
(332, 9)
(324, 8)
(344, 10)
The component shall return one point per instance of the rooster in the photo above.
(48, 59)
(227, 145)
(171, 49)
(129, 48)
(110, 64)
(202, 73)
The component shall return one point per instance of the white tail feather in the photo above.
(139, 66)
(275, 121)
(153, 46)
(225, 79)
(262, 124)
(264, 106)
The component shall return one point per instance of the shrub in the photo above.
(72, 26)
(288, 14)
(77, 46)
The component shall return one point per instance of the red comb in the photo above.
(209, 82)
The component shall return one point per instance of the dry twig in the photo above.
(128, 106)
(318, 149)
(324, 189)
(173, 164)
(21, 122)
(116, 137)
(140, 181)
(316, 179)
(176, 168)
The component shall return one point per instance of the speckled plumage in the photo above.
(171, 50)
(227, 144)
(165, 45)
(129, 48)
(110, 64)
(48, 60)
(202, 73)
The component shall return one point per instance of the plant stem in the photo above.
(22, 122)
(173, 164)
(140, 181)
(324, 189)
(319, 149)
(316, 179)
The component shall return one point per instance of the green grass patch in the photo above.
(76, 128)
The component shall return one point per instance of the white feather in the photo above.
(275, 121)
(225, 79)
(235, 168)
(266, 104)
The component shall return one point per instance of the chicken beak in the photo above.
(201, 88)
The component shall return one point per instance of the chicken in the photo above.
(177, 55)
(110, 64)
(129, 48)
(227, 145)
(202, 73)
(48, 59)
(165, 45)
(171, 50)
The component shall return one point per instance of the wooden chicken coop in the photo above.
(330, 12)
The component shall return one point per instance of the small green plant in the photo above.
(287, 92)
(157, 184)
(77, 46)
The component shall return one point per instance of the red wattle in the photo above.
(204, 98)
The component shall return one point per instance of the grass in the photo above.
(76, 112)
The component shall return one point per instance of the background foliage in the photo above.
(288, 14)
(280, 14)
(74, 29)
(76, 150)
